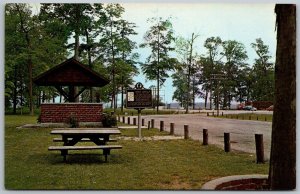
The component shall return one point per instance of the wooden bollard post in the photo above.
(123, 119)
(227, 142)
(152, 123)
(205, 137)
(186, 131)
(259, 143)
(143, 122)
(134, 121)
(257, 118)
(128, 120)
(222, 114)
(208, 114)
(161, 128)
(148, 125)
(172, 125)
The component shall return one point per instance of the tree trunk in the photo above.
(210, 95)
(205, 100)
(77, 43)
(15, 101)
(29, 60)
(122, 95)
(88, 42)
(194, 95)
(188, 90)
(113, 67)
(158, 76)
(282, 173)
(157, 97)
(30, 85)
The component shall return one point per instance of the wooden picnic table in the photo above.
(71, 136)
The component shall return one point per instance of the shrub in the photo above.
(73, 121)
(39, 119)
(109, 120)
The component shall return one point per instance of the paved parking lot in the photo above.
(242, 132)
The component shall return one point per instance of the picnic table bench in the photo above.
(71, 136)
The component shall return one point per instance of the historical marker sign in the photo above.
(138, 98)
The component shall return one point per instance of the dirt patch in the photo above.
(175, 184)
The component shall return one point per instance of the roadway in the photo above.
(242, 132)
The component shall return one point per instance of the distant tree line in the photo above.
(98, 36)
(222, 74)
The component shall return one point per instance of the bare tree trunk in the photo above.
(15, 101)
(210, 96)
(158, 72)
(282, 174)
(77, 43)
(122, 95)
(88, 42)
(29, 60)
(205, 101)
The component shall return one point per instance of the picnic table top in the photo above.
(85, 131)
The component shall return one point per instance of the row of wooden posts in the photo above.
(235, 116)
(227, 148)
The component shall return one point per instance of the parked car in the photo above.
(270, 108)
(240, 107)
(250, 108)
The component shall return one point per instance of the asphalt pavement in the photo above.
(242, 132)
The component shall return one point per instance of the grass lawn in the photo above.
(146, 165)
(246, 116)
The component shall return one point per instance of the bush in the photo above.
(109, 120)
(39, 119)
(73, 121)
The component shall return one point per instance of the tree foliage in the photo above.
(159, 39)
(188, 71)
(38, 42)
(263, 73)
(99, 36)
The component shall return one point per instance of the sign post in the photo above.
(139, 123)
(139, 98)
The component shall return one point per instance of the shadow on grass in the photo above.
(74, 158)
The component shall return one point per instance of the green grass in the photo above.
(246, 116)
(159, 165)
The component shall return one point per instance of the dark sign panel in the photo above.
(138, 98)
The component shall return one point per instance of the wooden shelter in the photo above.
(70, 73)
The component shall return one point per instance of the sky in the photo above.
(233, 21)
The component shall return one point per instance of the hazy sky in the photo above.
(241, 22)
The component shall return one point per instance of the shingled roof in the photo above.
(71, 73)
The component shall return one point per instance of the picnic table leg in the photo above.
(64, 153)
(105, 153)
